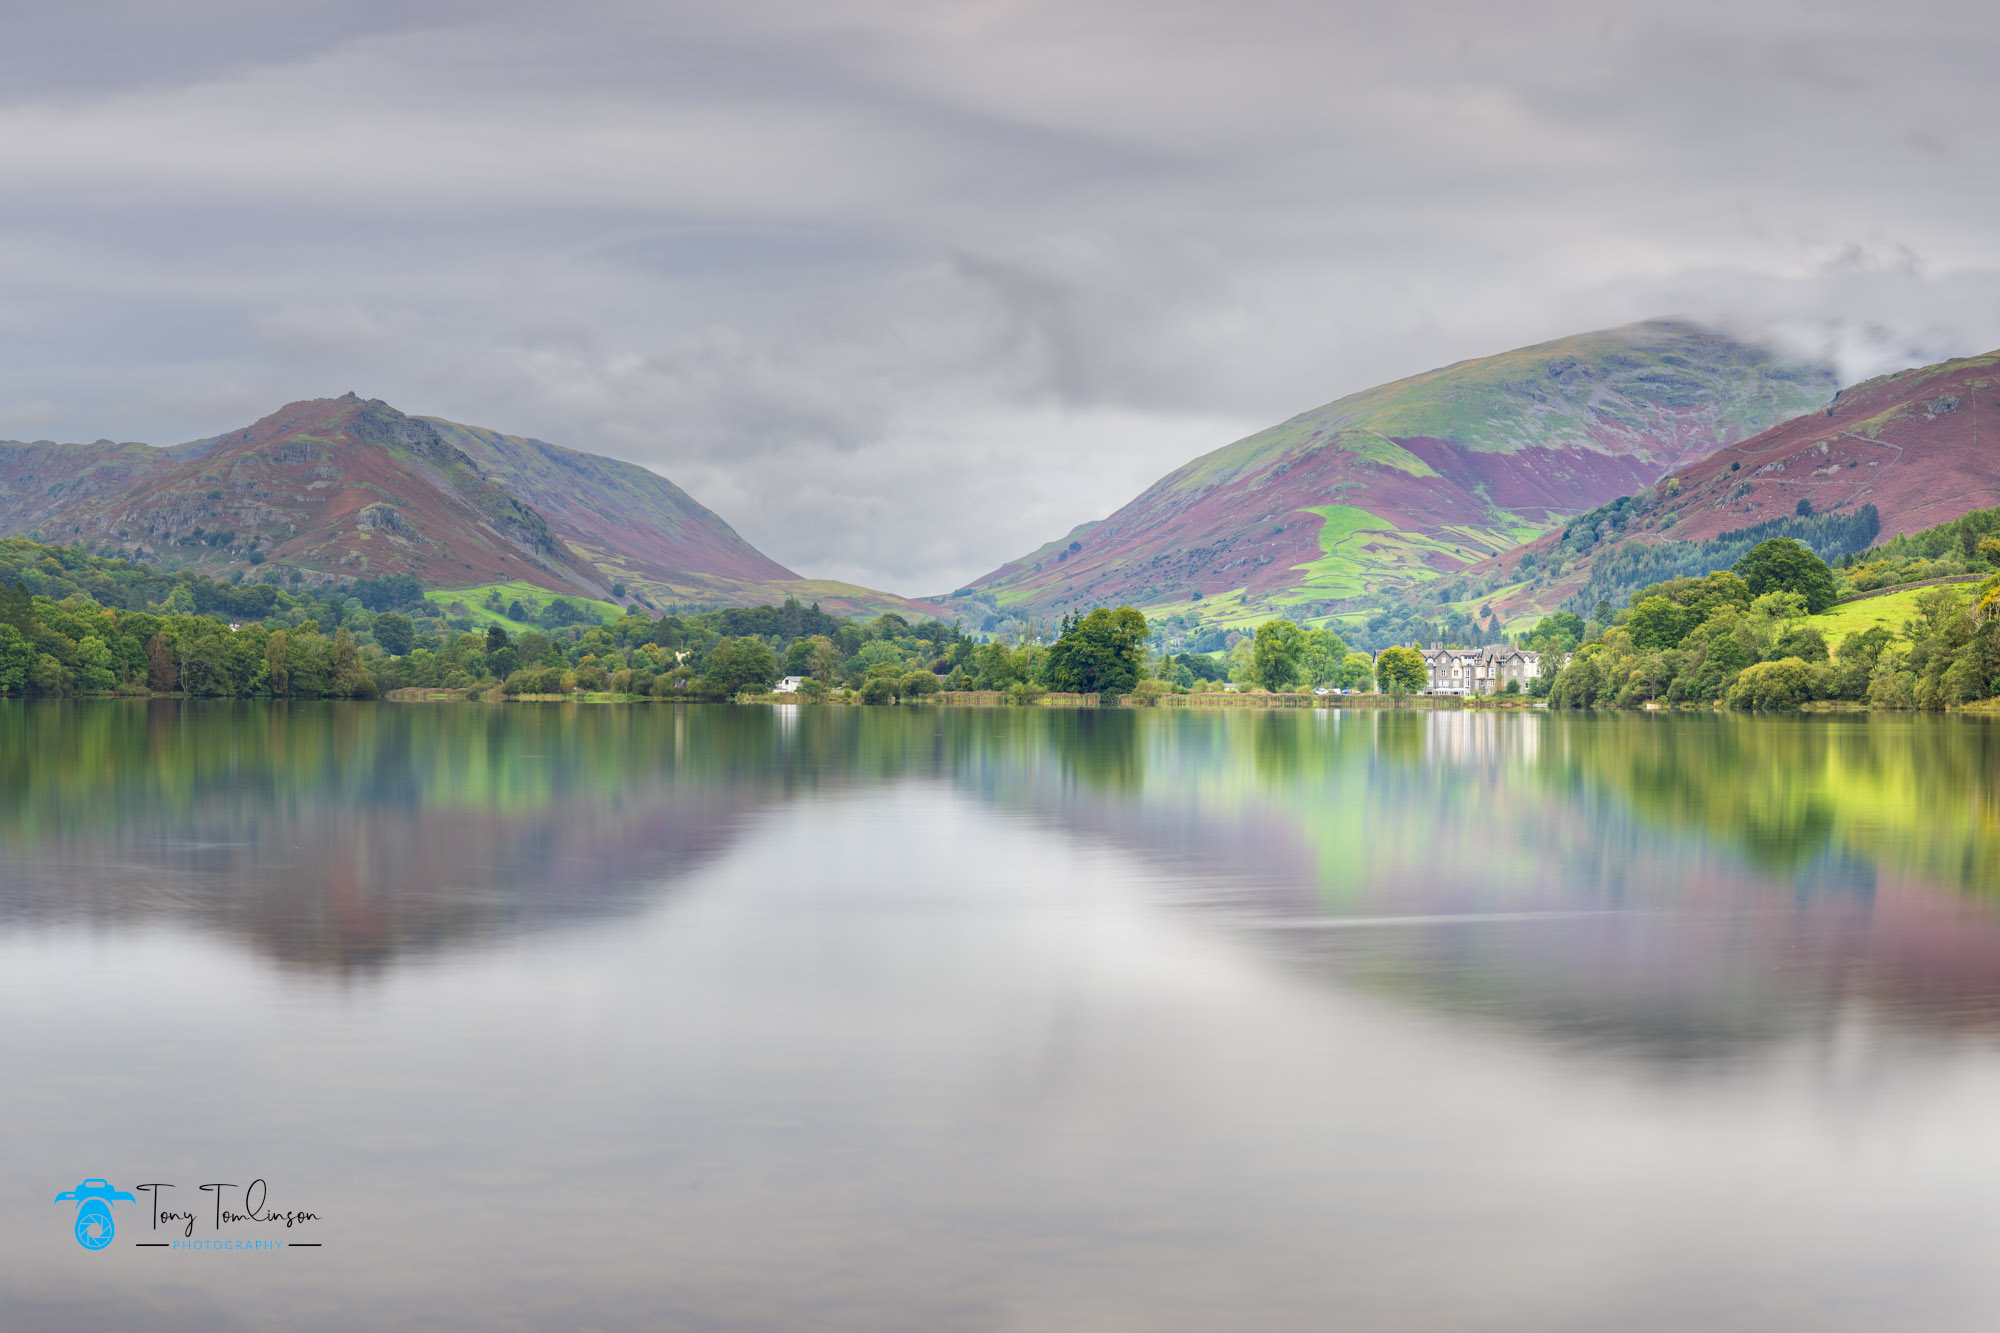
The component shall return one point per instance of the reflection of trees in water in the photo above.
(1686, 886)
(1915, 795)
(343, 835)
(1097, 747)
(348, 835)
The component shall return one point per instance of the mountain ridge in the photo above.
(1412, 481)
(1921, 446)
(353, 488)
(340, 486)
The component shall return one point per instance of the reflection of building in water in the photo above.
(1479, 670)
(1481, 737)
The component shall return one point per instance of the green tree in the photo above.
(17, 657)
(17, 608)
(1784, 565)
(395, 633)
(1275, 654)
(880, 652)
(1935, 608)
(350, 679)
(204, 665)
(735, 665)
(1580, 683)
(1357, 672)
(1324, 654)
(1656, 624)
(310, 658)
(1801, 641)
(278, 664)
(822, 659)
(1559, 633)
(1199, 666)
(1401, 671)
(1098, 654)
(93, 666)
(46, 676)
(1858, 654)
(917, 684)
(1783, 684)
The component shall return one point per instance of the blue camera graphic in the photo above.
(93, 1199)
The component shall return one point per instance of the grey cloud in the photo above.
(904, 290)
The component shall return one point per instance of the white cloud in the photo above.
(904, 290)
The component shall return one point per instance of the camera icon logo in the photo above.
(93, 1200)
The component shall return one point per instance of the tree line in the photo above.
(73, 623)
(1742, 637)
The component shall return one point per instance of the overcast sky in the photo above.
(904, 289)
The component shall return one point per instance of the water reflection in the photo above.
(344, 836)
(935, 1019)
(1673, 889)
(1682, 884)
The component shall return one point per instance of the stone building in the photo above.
(1478, 670)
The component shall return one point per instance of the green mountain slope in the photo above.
(1898, 454)
(1411, 482)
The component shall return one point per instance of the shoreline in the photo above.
(994, 699)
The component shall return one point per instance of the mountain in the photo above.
(39, 481)
(647, 533)
(1411, 482)
(1896, 454)
(347, 488)
(337, 486)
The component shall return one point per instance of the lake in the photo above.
(701, 1017)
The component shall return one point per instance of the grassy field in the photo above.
(472, 603)
(1353, 543)
(1889, 610)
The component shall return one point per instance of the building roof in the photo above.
(1492, 652)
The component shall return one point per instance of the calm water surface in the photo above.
(713, 1018)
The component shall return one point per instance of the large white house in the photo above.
(1478, 670)
(789, 685)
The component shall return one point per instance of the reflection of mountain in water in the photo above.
(345, 836)
(1677, 887)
